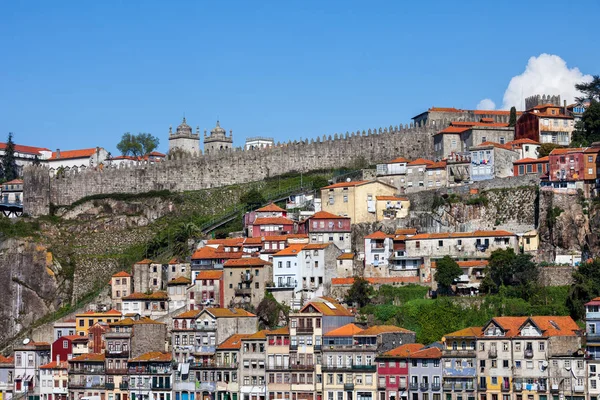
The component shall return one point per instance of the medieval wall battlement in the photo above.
(233, 167)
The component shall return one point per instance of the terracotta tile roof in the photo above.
(90, 357)
(453, 130)
(54, 365)
(472, 263)
(70, 154)
(233, 342)
(210, 274)
(291, 250)
(532, 160)
(566, 150)
(158, 295)
(377, 281)
(326, 215)
(6, 360)
(253, 241)
(404, 351)
(345, 184)
(344, 331)
(14, 182)
(147, 321)
(316, 246)
(377, 235)
(25, 149)
(124, 322)
(421, 161)
(437, 165)
(495, 112)
(122, 274)
(146, 261)
(322, 305)
(188, 314)
(279, 331)
(246, 262)
(346, 256)
(260, 335)
(208, 252)
(391, 198)
(109, 312)
(432, 353)
(271, 207)
(175, 260)
(273, 221)
(522, 141)
(74, 338)
(182, 280)
(466, 332)
(153, 356)
(446, 109)
(447, 235)
(398, 160)
(406, 231)
(556, 325)
(379, 329)
(493, 144)
(113, 312)
(228, 313)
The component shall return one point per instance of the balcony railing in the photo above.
(205, 328)
(163, 386)
(243, 292)
(381, 385)
(304, 329)
(435, 386)
(459, 352)
(302, 367)
(124, 385)
(517, 386)
(424, 386)
(493, 353)
(117, 354)
(413, 386)
(364, 367)
(145, 370)
(482, 387)
(335, 367)
(213, 364)
(505, 388)
(293, 347)
(554, 388)
(348, 386)
(579, 388)
(116, 371)
(528, 353)
(278, 367)
(109, 386)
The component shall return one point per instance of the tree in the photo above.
(585, 288)
(319, 182)
(512, 120)
(137, 145)
(360, 292)
(9, 162)
(546, 148)
(590, 90)
(269, 311)
(508, 269)
(446, 272)
(252, 199)
(587, 131)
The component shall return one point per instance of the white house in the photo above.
(26, 155)
(378, 250)
(154, 305)
(77, 159)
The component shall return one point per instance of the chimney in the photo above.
(57, 153)
(565, 110)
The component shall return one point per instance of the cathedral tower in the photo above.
(218, 140)
(184, 139)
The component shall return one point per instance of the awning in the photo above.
(185, 368)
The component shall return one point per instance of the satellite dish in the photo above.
(26, 341)
(544, 363)
(348, 179)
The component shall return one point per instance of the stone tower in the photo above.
(218, 140)
(184, 139)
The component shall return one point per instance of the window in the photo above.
(518, 364)
(440, 243)
(542, 346)
(504, 363)
(502, 141)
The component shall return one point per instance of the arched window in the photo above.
(176, 324)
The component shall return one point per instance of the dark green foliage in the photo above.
(480, 200)
(137, 145)
(269, 311)
(389, 294)
(319, 182)
(252, 199)
(585, 288)
(508, 269)
(587, 131)
(512, 119)
(590, 90)
(360, 292)
(446, 272)
(9, 162)
(13, 228)
(546, 148)
(552, 216)
(125, 196)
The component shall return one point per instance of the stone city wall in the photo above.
(235, 167)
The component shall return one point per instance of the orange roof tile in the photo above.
(346, 256)
(291, 250)
(343, 331)
(271, 207)
(379, 329)
(233, 342)
(6, 360)
(14, 182)
(406, 231)
(19, 148)
(556, 325)
(421, 161)
(209, 274)
(493, 144)
(153, 356)
(437, 165)
(495, 112)
(228, 313)
(253, 241)
(182, 280)
(466, 332)
(90, 357)
(532, 160)
(326, 215)
(566, 150)
(175, 260)
(70, 154)
(55, 365)
(399, 160)
(279, 331)
(472, 263)
(158, 295)
(345, 184)
(446, 109)
(208, 252)
(391, 198)
(260, 335)
(122, 274)
(322, 305)
(188, 314)
(316, 246)
(246, 262)
(522, 141)
(404, 351)
(146, 261)
(447, 235)
(378, 235)
(429, 353)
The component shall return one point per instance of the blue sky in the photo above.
(77, 74)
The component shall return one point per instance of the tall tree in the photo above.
(512, 120)
(590, 90)
(446, 272)
(587, 131)
(360, 292)
(9, 162)
(137, 145)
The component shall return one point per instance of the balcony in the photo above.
(116, 371)
(459, 352)
(364, 367)
(528, 353)
(579, 389)
(302, 367)
(554, 388)
(304, 329)
(124, 386)
(109, 386)
(435, 386)
(542, 388)
(517, 386)
(243, 292)
(424, 386)
(469, 387)
(147, 371)
(117, 354)
(493, 353)
(82, 384)
(505, 388)
(381, 385)
(293, 347)
(163, 386)
(336, 367)
(213, 365)
(448, 387)
(317, 347)
(348, 386)
(277, 367)
(205, 328)
(413, 386)
(246, 277)
(482, 387)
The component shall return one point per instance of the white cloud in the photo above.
(486, 104)
(545, 74)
